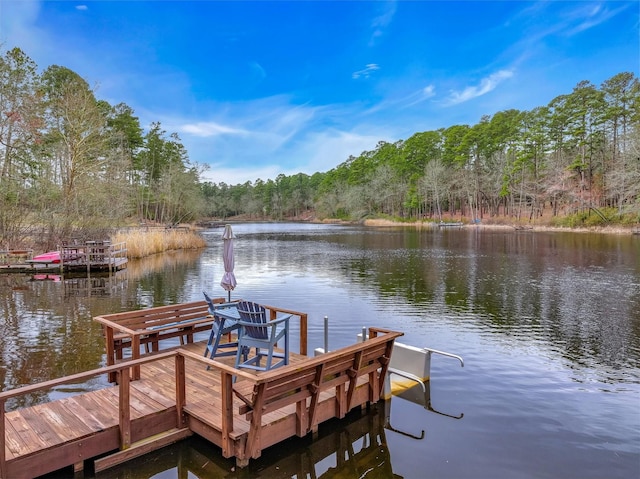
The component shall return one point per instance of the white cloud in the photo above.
(591, 16)
(382, 21)
(82, 7)
(207, 129)
(486, 85)
(326, 149)
(366, 72)
(414, 98)
(429, 91)
(265, 137)
(257, 70)
(264, 125)
(320, 152)
(238, 160)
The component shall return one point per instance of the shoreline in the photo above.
(381, 222)
(620, 230)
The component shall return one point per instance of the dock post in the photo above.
(3, 439)
(181, 391)
(303, 334)
(106, 251)
(326, 334)
(124, 408)
(89, 251)
(61, 251)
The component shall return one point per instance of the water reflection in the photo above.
(422, 397)
(579, 293)
(48, 327)
(45, 333)
(354, 447)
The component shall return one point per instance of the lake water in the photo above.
(548, 324)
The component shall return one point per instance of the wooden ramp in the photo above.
(177, 395)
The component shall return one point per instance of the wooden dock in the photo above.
(179, 392)
(78, 257)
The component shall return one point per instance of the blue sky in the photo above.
(259, 88)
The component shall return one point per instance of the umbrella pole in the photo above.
(229, 297)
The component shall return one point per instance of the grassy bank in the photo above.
(611, 229)
(141, 243)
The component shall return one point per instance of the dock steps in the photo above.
(142, 447)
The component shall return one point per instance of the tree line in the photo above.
(576, 157)
(74, 165)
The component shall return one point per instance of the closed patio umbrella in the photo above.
(228, 279)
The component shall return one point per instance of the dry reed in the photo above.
(141, 243)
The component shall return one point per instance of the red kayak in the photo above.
(50, 257)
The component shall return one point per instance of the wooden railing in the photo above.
(148, 327)
(301, 384)
(93, 253)
(124, 410)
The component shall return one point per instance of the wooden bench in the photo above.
(148, 327)
(354, 374)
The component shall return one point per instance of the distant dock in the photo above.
(78, 257)
(454, 224)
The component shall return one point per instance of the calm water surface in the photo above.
(548, 325)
